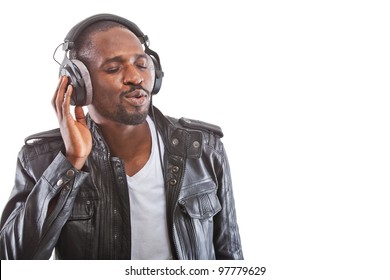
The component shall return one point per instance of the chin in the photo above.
(133, 118)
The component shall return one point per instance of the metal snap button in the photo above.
(70, 173)
(196, 144)
(173, 182)
(175, 141)
(60, 182)
(175, 169)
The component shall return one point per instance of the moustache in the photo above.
(133, 88)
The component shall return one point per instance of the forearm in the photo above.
(29, 230)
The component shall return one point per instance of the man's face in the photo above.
(122, 78)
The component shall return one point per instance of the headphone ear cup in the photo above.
(158, 75)
(80, 80)
(84, 97)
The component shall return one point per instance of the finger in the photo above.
(66, 101)
(53, 99)
(60, 97)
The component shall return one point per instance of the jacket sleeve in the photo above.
(227, 242)
(29, 230)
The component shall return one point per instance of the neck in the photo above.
(126, 141)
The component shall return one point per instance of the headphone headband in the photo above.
(82, 25)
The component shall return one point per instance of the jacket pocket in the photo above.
(84, 205)
(79, 230)
(82, 211)
(196, 224)
(201, 206)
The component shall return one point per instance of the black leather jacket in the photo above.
(90, 219)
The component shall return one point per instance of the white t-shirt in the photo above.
(149, 231)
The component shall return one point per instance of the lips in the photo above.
(136, 98)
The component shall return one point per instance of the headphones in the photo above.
(77, 71)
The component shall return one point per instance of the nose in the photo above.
(132, 76)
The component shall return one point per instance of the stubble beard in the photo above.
(121, 115)
(130, 118)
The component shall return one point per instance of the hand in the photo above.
(75, 132)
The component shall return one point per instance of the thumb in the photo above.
(79, 115)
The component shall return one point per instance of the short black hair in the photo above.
(83, 49)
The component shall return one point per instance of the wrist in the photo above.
(77, 162)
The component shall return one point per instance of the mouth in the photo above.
(136, 98)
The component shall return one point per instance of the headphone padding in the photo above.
(84, 73)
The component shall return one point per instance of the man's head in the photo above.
(122, 70)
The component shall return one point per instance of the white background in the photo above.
(300, 88)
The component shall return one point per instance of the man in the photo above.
(123, 181)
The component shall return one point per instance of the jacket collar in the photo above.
(177, 139)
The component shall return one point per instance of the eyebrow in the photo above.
(120, 58)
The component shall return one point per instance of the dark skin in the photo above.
(119, 63)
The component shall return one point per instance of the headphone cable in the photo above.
(55, 51)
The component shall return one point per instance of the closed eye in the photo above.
(142, 63)
(112, 70)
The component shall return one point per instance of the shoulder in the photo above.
(193, 124)
(42, 143)
(53, 134)
(166, 122)
(187, 136)
(199, 136)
